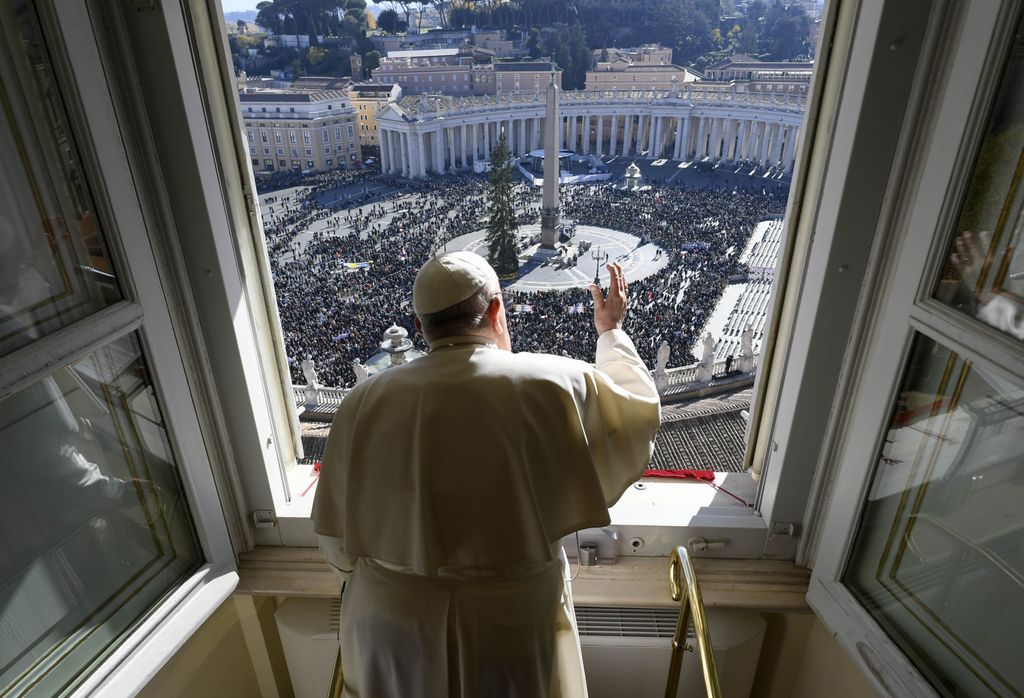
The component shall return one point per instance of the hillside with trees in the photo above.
(699, 32)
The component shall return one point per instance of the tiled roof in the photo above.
(704, 434)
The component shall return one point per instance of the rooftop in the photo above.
(424, 53)
(287, 96)
(526, 66)
(703, 434)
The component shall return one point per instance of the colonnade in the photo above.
(437, 145)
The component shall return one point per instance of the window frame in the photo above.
(147, 310)
(955, 92)
(748, 536)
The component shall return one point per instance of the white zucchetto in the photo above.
(449, 279)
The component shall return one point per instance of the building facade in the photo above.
(437, 134)
(622, 75)
(524, 76)
(368, 99)
(300, 131)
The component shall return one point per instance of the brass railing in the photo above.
(691, 607)
(337, 679)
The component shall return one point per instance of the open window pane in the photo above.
(54, 264)
(96, 527)
(938, 559)
(984, 274)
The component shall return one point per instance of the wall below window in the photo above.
(800, 659)
(235, 654)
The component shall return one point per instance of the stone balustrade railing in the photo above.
(432, 106)
(675, 380)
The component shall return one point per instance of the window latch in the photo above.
(264, 518)
(700, 545)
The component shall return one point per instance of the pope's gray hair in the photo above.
(466, 316)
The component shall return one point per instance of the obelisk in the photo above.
(550, 216)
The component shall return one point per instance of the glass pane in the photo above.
(54, 264)
(95, 525)
(939, 555)
(984, 272)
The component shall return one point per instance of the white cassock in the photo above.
(445, 487)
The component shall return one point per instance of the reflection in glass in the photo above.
(54, 266)
(95, 525)
(984, 271)
(939, 556)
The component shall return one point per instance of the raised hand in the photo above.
(609, 312)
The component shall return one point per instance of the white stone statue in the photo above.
(708, 355)
(309, 371)
(746, 359)
(360, 370)
(311, 393)
(664, 351)
(706, 365)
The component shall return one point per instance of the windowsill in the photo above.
(141, 655)
(758, 585)
(653, 501)
(658, 512)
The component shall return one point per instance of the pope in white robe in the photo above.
(447, 483)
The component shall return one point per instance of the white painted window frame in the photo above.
(747, 536)
(969, 41)
(146, 311)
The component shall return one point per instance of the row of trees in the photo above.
(698, 31)
(313, 17)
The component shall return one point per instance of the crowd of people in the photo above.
(340, 287)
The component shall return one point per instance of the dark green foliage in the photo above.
(568, 47)
(533, 43)
(389, 21)
(312, 17)
(501, 218)
(699, 32)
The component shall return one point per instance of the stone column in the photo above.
(487, 140)
(398, 157)
(534, 133)
(684, 151)
(776, 152)
(613, 137)
(741, 147)
(410, 144)
(715, 138)
(406, 155)
(698, 148)
(762, 155)
(462, 144)
(599, 149)
(421, 141)
(384, 161)
(522, 138)
(627, 136)
(586, 134)
(774, 149)
(451, 148)
(653, 126)
(678, 147)
(790, 151)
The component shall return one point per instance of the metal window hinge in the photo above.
(264, 518)
(781, 529)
